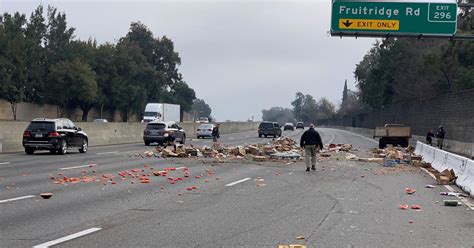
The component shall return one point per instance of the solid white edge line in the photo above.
(17, 198)
(76, 167)
(355, 135)
(448, 187)
(3, 163)
(67, 238)
(239, 181)
(104, 153)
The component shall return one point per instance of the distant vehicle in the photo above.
(394, 134)
(204, 130)
(100, 121)
(159, 131)
(55, 135)
(288, 126)
(203, 120)
(300, 125)
(162, 112)
(267, 128)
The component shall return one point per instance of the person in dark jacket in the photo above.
(215, 133)
(440, 137)
(312, 143)
(429, 137)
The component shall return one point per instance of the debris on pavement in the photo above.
(46, 195)
(416, 207)
(453, 194)
(404, 207)
(451, 203)
(410, 191)
(429, 186)
(300, 237)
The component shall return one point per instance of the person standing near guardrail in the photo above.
(216, 133)
(311, 143)
(429, 137)
(440, 137)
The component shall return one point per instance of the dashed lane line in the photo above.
(67, 238)
(104, 153)
(3, 163)
(237, 182)
(17, 198)
(77, 167)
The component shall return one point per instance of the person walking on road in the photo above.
(215, 133)
(440, 137)
(429, 137)
(311, 143)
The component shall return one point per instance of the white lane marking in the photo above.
(448, 187)
(104, 153)
(67, 238)
(76, 167)
(332, 138)
(357, 135)
(17, 198)
(2, 163)
(180, 168)
(239, 181)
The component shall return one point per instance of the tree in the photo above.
(58, 37)
(183, 95)
(298, 105)
(35, 52)
(13, 70)
(278, 114)
(310, 109)
(201, 109)
(344, 94)
(326, 109)
(72, 82)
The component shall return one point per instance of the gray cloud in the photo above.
(240, 56)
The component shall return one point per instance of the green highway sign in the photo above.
(381, 18)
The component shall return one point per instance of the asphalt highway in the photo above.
(240, 203)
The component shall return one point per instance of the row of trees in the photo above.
(42, 62)
(404, 69)
(305, 108)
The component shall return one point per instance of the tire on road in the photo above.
(29, 150)
(85, 146)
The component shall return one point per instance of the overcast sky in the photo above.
(239, 56)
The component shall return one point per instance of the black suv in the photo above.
(55, 135)
(267, 128)
(299, 125)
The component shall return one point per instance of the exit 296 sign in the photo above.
(417, 17)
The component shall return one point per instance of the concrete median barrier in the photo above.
(109, 133)
(441, 160)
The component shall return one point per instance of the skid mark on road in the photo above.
(67, 238)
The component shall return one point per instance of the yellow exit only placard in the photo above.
(369, 24)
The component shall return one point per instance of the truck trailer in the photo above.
(162, 112)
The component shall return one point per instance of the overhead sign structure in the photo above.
(394, 18)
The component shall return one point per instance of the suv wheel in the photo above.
(260, 136)
(183, 140)
(147, 143)
(63, 148)
(84, 147)
(52, 151)
(29, 150)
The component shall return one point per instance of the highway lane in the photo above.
(344, 203)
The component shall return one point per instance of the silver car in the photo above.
(163, 132)
(204, 130)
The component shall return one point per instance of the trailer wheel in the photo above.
(382, 143)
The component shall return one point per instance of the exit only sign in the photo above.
(418, 17)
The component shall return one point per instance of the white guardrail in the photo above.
(440, 160)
